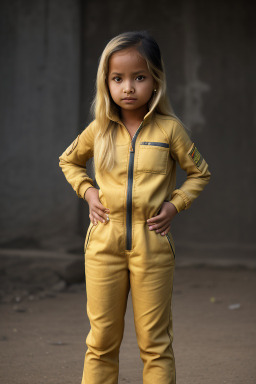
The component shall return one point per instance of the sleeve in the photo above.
(73, 160)
(184, 151)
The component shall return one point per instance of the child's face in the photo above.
(129, 77)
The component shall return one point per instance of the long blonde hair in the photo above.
(103, 107)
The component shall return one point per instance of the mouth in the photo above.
(129, 98)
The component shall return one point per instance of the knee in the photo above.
(104, 341)
(154, 341)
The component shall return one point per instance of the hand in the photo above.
(162, 221)
(97, 210)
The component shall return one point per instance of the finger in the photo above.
(101, 207)
(155, 219)
(100, 214)
(162, 229)
(103, 218)
(158, 225)
(164, 232)
(95, 217)
(154, 227)
(93, 220)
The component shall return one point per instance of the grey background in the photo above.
(49, 57)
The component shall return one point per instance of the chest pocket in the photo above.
(153, 157)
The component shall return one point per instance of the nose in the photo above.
(128, 87)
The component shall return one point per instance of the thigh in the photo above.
(107, 280)
(151, 278)
(151, 297)
(107, 290)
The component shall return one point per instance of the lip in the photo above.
(129, 99)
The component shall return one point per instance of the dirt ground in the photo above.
(43, 339)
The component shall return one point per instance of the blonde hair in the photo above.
(103, 107)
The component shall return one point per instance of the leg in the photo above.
(107, 287)
(151, 278)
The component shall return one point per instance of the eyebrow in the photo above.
(134, 73)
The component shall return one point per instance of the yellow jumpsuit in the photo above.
(124, 254)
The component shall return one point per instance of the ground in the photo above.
(42, 336)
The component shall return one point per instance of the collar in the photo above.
(114, 116)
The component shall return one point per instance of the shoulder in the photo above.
(87, 136)
(89, 130)
(171, 124)
(90, 126)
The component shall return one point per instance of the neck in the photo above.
(133, 117)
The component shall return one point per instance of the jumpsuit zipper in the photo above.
(129, 191)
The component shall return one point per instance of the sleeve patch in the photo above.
(196, 156)
(72, 146)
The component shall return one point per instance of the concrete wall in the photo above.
(51, 51)
(40, 92)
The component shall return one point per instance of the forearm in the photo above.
(76, 176)
(73, 161)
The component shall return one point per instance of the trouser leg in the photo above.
(107, 287)
(151, 278)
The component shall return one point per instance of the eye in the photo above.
(140, 77)
(117, 79)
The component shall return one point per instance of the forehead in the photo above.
(127, 60)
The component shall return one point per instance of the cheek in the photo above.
(147, 91)
(113, 90)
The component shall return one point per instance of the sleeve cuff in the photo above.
(180, 200)
(83, 188)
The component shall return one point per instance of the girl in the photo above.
(136, 140)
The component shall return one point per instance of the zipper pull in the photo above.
(131, 148)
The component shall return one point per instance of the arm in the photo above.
(73, 161)
(184, 151)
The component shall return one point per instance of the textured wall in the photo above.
(40, 70)
(51, 51)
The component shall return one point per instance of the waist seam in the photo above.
(134, 221)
